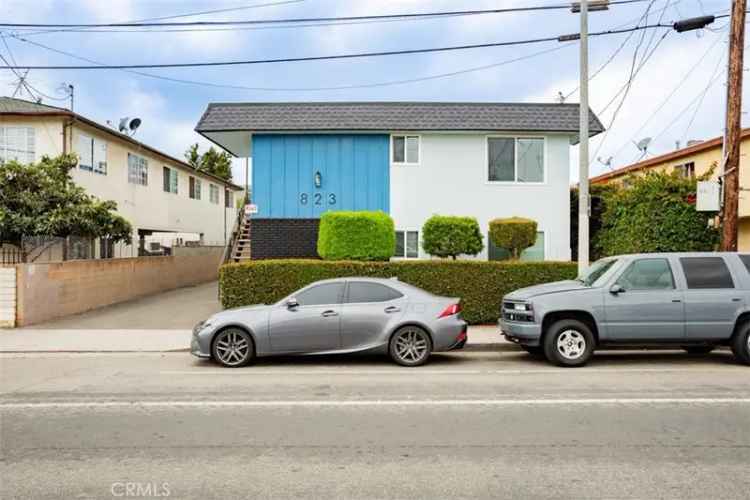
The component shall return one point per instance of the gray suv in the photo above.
(696, 301)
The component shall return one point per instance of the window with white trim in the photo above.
(228, 198)
(92, 154)
(170, 180)
(137, 170)
(195, 188)
(515, 159)
(17, 143)
(407, 244)
(405, 149)
(213, 193)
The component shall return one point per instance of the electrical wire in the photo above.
(407, 15)
(331, 57)
(700, 102)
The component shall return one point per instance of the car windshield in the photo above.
(595, 271)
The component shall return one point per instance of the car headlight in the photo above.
(523, 306)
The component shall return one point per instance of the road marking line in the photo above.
(378, 402)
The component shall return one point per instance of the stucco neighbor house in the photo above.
(410, 159)
(163, 198)
(695, 160)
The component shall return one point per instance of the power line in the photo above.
(314, 89)
(336, 56)
(700, 102)
(303, 20)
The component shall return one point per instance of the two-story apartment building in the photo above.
(410, 159)
(163, 198)
(695, 160)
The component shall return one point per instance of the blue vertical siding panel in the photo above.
(354, 169)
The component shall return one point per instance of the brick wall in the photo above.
(284, 238)
(54, 290)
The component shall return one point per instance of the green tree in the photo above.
(449, 236)
(515, 234)
(40, 199)
(655, 212)
(213, 161)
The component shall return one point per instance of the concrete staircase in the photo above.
(241, 246)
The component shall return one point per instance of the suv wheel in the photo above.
(741, 343)
(569, 342)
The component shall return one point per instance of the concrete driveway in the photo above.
(178, 309)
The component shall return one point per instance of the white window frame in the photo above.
(197, 188)
(405, 231)
(515, 182)
(136, 177)
(92, 143)
(173, 174)
(213, 189)
(406, 163)
(30, 138)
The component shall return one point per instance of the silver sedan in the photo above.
(343, 315)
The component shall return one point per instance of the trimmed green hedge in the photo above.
(480, 284)
(356, 236)
(450, 236)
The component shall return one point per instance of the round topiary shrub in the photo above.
(358, 235)
(448, 236)
(515, 234)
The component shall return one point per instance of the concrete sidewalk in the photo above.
(481, 338)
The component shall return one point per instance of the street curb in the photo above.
(490, 347)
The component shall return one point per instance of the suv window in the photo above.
(360, 292)
(745, 258)
(647, 274)
(329, 293)
(706, 272)
(596, 271)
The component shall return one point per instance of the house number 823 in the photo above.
(317, 199)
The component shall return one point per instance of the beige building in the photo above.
(165, 199)
(695, 160)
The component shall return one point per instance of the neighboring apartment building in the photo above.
(695, 160)
(409, 159)
(163, 198)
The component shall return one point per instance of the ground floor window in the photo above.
(407, 244)
(533, 253)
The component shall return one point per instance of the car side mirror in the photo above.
(616, 289)
(292, 303)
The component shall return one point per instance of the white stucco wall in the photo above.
(451, 179)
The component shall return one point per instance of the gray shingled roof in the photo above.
(387, 116)
(11, 105)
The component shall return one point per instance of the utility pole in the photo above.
(583, 151)
(733, 127)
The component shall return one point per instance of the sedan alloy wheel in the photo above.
(410, 346)
(233, 347)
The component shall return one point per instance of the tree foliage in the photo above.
(213, 161)
(40, 199)
(655, 212)
(450, 236)
(515, 234)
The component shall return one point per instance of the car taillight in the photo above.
(450, 310)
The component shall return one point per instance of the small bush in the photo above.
(481, 285)
(515, 234)
(445, 236)
(356, 236)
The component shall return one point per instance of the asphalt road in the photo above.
(468, 425)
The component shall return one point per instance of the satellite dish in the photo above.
(606, 163)
(129, 125)
(643, 145)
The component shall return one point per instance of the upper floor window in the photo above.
(92, 154)
(228, 198)
(17, 143)
(515, 159)
(686, 170)
(406, 149)
(195, 188)
(213, 193)
(170, 180)
(137, 170)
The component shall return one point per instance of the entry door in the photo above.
(649, 307)
(314, 325)
(367, 311)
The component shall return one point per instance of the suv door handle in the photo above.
(392, 309)
(736, 299)
(329, 313)
(676, 300)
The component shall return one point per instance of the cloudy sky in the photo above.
(677, 93)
